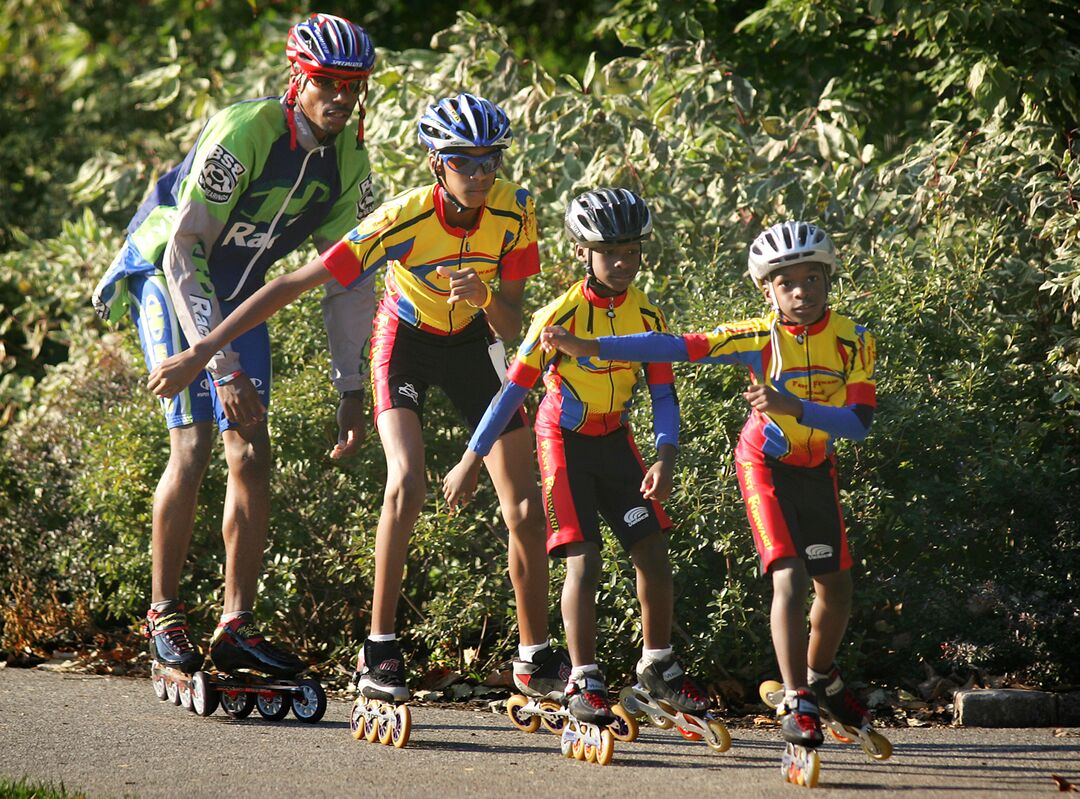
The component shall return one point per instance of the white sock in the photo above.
(649, 656)
(816, 676)
(578, 672)
(527, 651)
(227, 617)
(382, 637)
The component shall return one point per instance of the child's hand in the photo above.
(658, 482)
(555, 338)
(768, 400)
(460, 484)
(465, 284)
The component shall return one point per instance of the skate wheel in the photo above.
(356, 719)
(158, 681)
(204, 699)
(386, 726)
(689, 735)
(524, 722)
(607, 748)
(876, 745)
(577, 749)
(310, 704)
(553, 720)
(625, 726)
(566, 745)
(589, 753)
(172, 692)
(272, 705)
(812, 770)
(402, 726)
(371, 734)
(662, 722)
(839, 736)
(237, 704)
(721, 735)
(769, 690)
(184, 691)
(630, 703)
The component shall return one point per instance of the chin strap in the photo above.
(446, 193)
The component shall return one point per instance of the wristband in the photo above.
(226, 379)
(486, 302)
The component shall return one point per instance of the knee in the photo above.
(835, 590)
(248, 459)
(189, 452)
(585, 567)
(790, 582)
(405, 493)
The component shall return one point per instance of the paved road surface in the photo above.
(110, 737)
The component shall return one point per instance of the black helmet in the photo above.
(608, 216)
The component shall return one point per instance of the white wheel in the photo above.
(204, 699)
(310, 704)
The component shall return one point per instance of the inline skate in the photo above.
(250, 673)
(669, 698)
(379, 712)
(800, 725)
(846, 718)
(542, 683)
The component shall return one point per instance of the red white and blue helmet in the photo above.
(464, 121)
(330, 45)
(787, 243)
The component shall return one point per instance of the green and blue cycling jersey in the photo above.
(239, 201)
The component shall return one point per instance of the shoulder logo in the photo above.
(818, 551)
(220, 174)
(635, 515)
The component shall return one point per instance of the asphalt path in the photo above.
(111, 737)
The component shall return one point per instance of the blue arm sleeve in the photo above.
(851, 421)
(645, 347)
(666, 419)
(497, 416)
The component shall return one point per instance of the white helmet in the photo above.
(787, 243)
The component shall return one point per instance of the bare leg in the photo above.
(654, 589)
(829, 616)
(788, 619)
(583, 568)
(174, 506)
(246, 520)
(511, 465)
(406, 488)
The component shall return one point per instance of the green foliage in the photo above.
(949, 188)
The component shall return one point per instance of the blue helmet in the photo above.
(328, 44)
(464, 121)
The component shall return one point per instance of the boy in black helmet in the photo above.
(589, 464)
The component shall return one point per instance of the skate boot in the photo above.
(170, 641)
(238, 645)
(666, 681)
(380, 672)
(587, 699)
(545, 677)
(800, 719)
(846, 717)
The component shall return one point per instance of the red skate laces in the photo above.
(692, 692)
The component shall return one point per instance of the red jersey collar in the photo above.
(602, 302)
(808, 330)
(440, 212)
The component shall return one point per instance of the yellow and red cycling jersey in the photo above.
(589, 395)
(410, 234)
(828, 365)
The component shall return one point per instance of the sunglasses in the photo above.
(341, 85)
(470, 165)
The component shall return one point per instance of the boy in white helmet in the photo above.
(812, 381)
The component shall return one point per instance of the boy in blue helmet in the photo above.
(197, 248)
(445, 247)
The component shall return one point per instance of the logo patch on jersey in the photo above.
(635, 515)
(366, 203)
(818, 551)
(220, 174)
(408, 390)
(155, 318)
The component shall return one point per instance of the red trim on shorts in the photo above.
(383, 336)
(767, 523)
(560, 514)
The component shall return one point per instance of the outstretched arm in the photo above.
(174, 374)
(558, 339)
